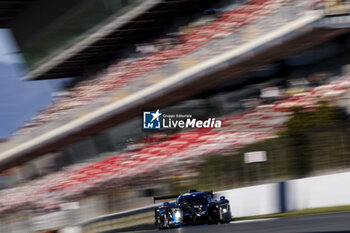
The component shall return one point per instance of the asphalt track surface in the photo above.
(321, 223)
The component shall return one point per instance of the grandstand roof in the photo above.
(99, 46)
(9, 9)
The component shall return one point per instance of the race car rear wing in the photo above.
(210, 193)
(165, 197)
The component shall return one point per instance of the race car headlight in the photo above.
(177, 213)
(224, 209)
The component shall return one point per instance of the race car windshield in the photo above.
(194, 200)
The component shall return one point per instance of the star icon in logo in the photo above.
(156, 115)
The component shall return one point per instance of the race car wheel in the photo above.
(162, 222)
(158, 222)
(165, 222)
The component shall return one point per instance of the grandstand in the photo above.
(129, 61)
(77, 120)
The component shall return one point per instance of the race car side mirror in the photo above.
(222, 198)
(166, 203)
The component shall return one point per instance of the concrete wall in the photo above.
(320, 191)
(255, 200)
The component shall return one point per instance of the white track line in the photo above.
(253, 220)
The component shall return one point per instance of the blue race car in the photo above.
(192, 208)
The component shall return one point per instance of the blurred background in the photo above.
(76, 76)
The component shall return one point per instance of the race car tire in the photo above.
(166, 223)
(162, 224)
